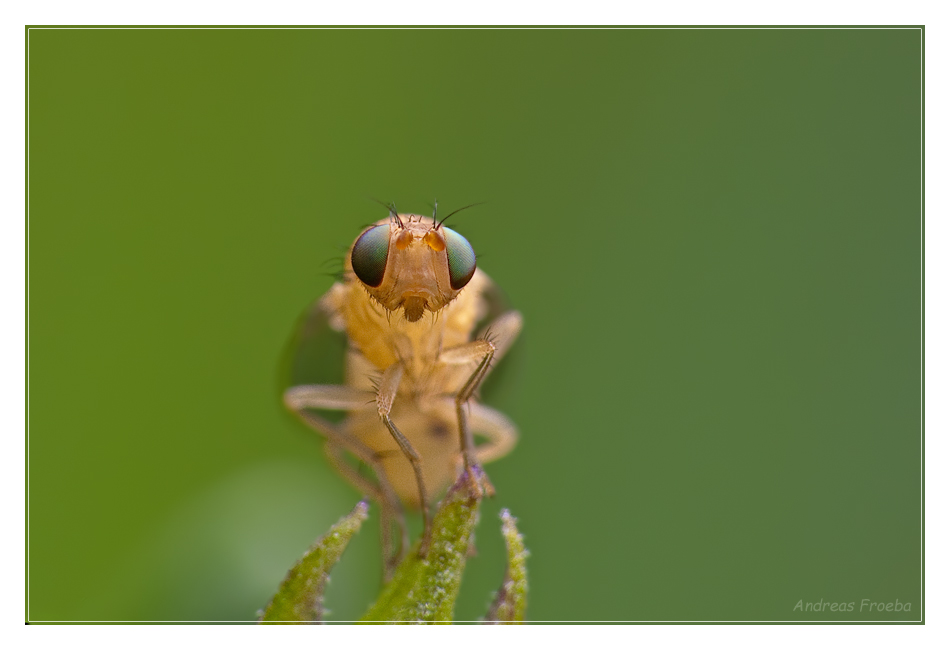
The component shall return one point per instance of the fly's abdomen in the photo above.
(433, 435)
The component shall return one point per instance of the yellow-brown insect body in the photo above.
(380, 337)
(409, 303)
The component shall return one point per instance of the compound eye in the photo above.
(369, 255)
(461, 258)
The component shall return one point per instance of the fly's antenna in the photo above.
(394, 214)
(435, 209)
(391, 206)
(439, 225)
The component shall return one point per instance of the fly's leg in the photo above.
(390, 509)
(344, 398)
(484, 486)
(388, 387)
(335, 453)
(502, 332)
(498, 337)
(499, 430)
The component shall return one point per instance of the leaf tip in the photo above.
(510, 602)
(299, 598)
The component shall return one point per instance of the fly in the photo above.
(409, 302)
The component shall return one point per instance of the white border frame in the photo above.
(828, 12)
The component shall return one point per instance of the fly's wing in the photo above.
(314, 354)
(499, 388)
(497, 303)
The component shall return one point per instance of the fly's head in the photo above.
(410, 264)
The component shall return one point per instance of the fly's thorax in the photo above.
(410, 266)
(383, 338)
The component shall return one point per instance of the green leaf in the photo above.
(424, 589)
(511, 601)
(300, 596)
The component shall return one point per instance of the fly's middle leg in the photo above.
(499, 431)
(390, 509)
(388, 388)
(327, 397)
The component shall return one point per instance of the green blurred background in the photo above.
(713, 235)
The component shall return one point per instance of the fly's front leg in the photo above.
(388, 388)
(345, 398)
(498, 337)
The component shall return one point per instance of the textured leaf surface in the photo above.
(423, 590)
(511, 601)
(300, 596)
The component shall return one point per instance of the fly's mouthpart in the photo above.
(414, 307)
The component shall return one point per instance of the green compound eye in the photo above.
(461, 258)
(369, 255)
